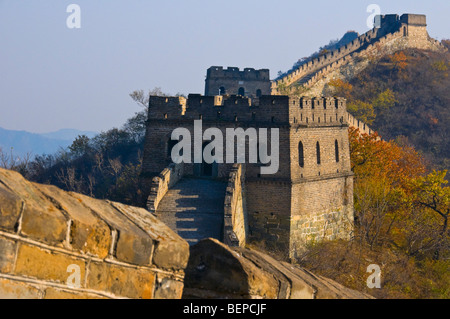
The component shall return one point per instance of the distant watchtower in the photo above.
(413, 28)
(231, 81)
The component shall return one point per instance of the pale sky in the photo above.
(53, 77)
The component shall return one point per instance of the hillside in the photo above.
(395, 79)
(406, 97)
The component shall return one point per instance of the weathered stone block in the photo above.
(167, 288)
(134, 249)
(121, 281)
(41, 220)
(133, 244)
(171, 251)
(7, 254)
(88, 233)
(42, 264)
(44, 225)
(10, 289)
(10, 208)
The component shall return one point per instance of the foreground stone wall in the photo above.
(50, 238)
(217, 271)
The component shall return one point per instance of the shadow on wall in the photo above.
(214, 273)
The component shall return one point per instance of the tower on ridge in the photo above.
(231, 81)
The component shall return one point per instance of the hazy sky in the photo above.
(53, 77)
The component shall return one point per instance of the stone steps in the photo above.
(193, 208)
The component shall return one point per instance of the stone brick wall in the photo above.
(322, 209)
(47, 235)
(162, 183)
(360, 125)
(269, 213)
(235, 210)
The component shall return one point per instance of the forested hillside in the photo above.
(406, 97)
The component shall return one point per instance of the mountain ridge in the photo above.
(23, 143)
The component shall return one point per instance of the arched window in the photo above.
(241, 91)
(258, 93)
(336, 150)
(301, 155)
(318, 152)
(222, 91)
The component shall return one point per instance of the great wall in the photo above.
(394, 33)
(161, 251)
(311, 126)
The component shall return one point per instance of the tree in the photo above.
(399, 60)
(341, 88)
(383, 171)
(80, 145)
(385, 100)
(15, 162)
(431, 193)
(136, 126)
(362, 111)
(142, 98)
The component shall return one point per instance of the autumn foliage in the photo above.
(401, 223)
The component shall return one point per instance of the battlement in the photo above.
(414, 19)
(394, 20)
(269, 109)
(233, 72)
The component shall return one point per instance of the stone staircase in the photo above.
(194, 209)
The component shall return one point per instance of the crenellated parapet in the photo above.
(269, 109)
(233, 73)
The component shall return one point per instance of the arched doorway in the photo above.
(241, 91)
(205, 169)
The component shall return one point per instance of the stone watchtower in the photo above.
(249, 82)
(413, 28)
(310, 197)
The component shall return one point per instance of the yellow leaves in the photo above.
(431, 191)
(362, 111)
(439, 66)
(385, 100)
(341, 88)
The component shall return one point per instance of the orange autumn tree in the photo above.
(399, 60)
(396, 203)
(383, 171)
